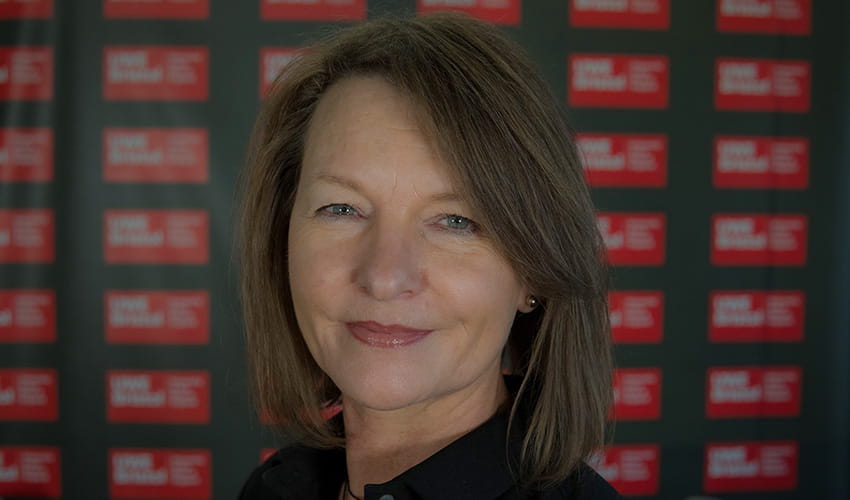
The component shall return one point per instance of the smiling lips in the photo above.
(388, 336)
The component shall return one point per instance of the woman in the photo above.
(415, 221)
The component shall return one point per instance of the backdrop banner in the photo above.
(714, 135)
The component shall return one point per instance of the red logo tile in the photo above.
(26, 154)
(762, 85)
(507, 12)
(26, 235)
(272, 62)
(781, 17)
(156, 236)
(633, 239)
(313, 10)
(618, 81)
(633, 470)
(637, 394)
(26, 73)
(158, 396)
(28, 394)
(23, 9)
(761, 162)
(753, 391)
(157, 317)
(30, 471)
(155, 155)
(156, 9)
(756, 316)
(156, 73)
(637, 317)
(266, 453)
(624, 160)
(759, 240)
(27, 316)
(632, 14)
(750, 466)
(160, 473)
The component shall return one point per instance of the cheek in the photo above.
(483, 291)
(309, 272)
(314, 282)
(316, 261)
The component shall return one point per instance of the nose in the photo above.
(390, 264)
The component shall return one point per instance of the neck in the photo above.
(381, 444)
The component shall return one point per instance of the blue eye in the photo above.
(338, 210)
(460, 223)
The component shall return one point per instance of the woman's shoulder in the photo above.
(584, 484)
(256, 486)
(296, 471)
(253, 488)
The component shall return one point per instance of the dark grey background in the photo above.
(234, 33)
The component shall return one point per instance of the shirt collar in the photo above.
(473, 466)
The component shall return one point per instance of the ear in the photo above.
(522, 299)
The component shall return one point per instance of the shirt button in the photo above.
(387, 497)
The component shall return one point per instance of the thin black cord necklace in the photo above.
(348, 489)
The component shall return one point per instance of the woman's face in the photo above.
(401, 299)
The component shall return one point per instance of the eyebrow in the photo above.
(356, 186)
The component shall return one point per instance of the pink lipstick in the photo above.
(378, 335)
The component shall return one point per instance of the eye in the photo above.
(459, 223)
(338, 210)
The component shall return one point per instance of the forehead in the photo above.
(350, 105)
(363, 125)
(363, 93)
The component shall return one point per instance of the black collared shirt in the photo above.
(474, 467)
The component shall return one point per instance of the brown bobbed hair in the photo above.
(495, 123)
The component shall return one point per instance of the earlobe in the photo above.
(528, 301)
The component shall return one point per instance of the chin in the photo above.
(386, 393)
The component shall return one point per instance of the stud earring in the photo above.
(531, 301)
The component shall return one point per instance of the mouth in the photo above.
(386, 336)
